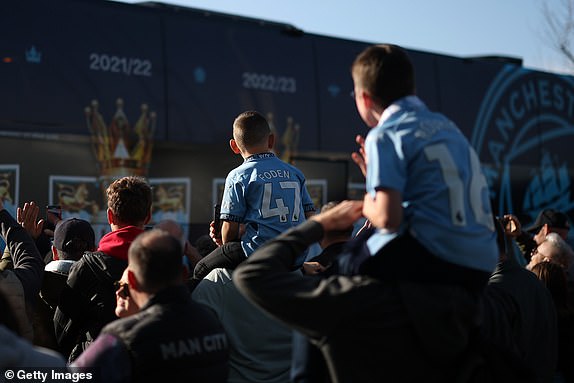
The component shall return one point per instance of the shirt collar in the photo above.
(260, 156)
(408, 102)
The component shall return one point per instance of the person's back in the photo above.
(439, 176)
(88, 300)
(260, 347)
(531, 317)
(171, 338)
(72, 237)
(264, 193)
(264, 196)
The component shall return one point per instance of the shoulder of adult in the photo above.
(212, 286)
(96, 266)
(110, 356)
(125, 324)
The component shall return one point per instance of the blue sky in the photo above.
(454, 27)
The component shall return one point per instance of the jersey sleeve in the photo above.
(233, 204)
(386, 163)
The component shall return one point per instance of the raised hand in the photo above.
(27, 217)
(360, 157)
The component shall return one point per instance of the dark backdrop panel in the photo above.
(219, 68)
(461, 85)
(339, 119)
(65, 54)
(426, 67)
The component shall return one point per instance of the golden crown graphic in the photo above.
(121, 149)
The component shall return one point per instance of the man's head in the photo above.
(129, 202)
(553, 249)
(251, 133)
(72, 237)
(154, 263)
(549, 221)
(382, 74)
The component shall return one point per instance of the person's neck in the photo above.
(118, 227)
(246, 154)
(141, 298)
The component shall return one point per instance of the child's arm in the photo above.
(385, 211)
(229, 231)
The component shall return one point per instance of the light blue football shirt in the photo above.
(425, 157)
(266, 194)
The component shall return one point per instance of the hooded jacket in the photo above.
(88, 300)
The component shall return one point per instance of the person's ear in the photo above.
(132, 281)
(271, 141)
(234, 146)
(110, 215)
(55, 253)
(366, 99)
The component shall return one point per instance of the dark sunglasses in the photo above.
(122, 289)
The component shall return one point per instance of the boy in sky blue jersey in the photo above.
(263, 196)
(423, 179)
(434, 247)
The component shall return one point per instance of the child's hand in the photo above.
(214, 235)
(360, 158)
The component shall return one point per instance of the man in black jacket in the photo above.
(171, 338)
(369, 328)
(88, 301)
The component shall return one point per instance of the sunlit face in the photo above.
(125, 305)
(545, 252)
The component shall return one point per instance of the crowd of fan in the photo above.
(384, 304)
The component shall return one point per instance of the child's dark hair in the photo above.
(250, 129)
